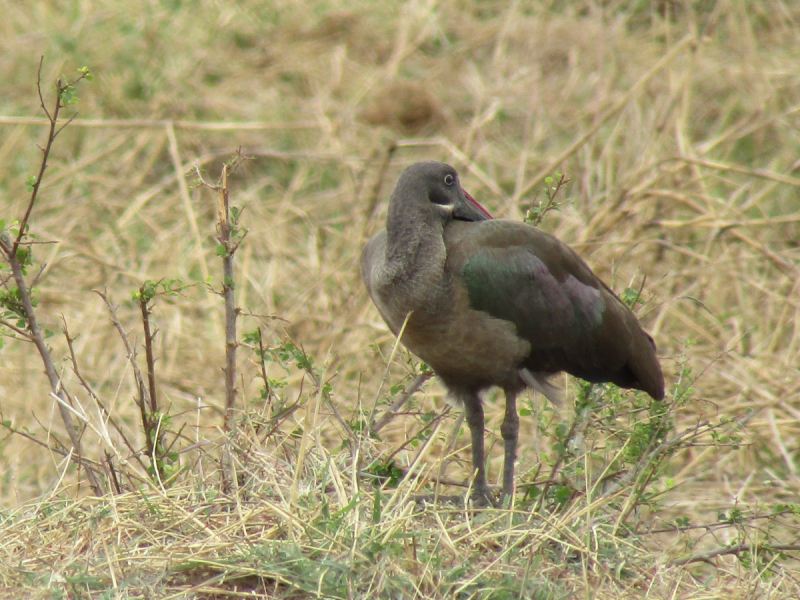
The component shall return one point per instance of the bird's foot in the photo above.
(455, 499)
(482, 497)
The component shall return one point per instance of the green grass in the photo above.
(686, 175)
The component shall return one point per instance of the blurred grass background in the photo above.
(686, 175)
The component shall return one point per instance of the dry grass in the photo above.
(680, 134)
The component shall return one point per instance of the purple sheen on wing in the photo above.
(586, 301)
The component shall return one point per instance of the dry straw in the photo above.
(676, 123)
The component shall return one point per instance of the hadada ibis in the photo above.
(493, 302)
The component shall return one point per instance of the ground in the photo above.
(676, 125)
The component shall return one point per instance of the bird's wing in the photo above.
(517, 284)
(572, 321)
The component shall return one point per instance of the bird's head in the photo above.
(430, 192)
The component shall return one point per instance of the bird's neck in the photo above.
(414, 248)
(415, 274)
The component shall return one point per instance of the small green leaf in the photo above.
(84, 71)
(67, 95)
(376, 507)
(631, 297)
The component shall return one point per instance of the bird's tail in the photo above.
(540, 383)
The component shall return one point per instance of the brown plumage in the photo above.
(492, 302)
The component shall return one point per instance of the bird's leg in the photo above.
(481, 495)
(510, 432)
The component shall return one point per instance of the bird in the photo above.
(494, 302)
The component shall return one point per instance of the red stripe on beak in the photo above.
(478, 206)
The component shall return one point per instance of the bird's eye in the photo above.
(449, 180)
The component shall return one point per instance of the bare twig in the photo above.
(144, 307)
(106, 414)
(675, 528)
(61, 87)
(148, 419)
(579, 423)
(263, 365)
(224, 225)
(345, 426)
(229, 236)
(391, 412)
(58, 446)
(151, 421)
(188, 125)
(428, 425)
(537, 212)
(51, 136)
(10, 249)
(24, 334)
(137, 374)
(736, 549)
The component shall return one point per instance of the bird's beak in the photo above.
(470, 210)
